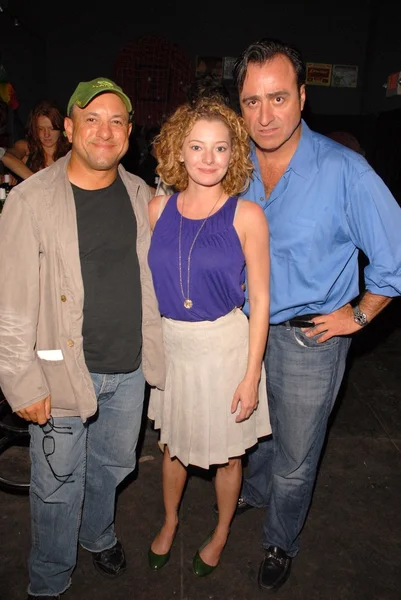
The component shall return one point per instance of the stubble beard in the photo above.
(280, 144)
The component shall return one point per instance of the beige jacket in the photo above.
(42, 295)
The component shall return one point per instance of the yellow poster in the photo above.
(318, 73)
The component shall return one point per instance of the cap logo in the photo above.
(103, 84)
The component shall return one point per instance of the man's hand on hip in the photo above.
(38, 412)
(339, 322)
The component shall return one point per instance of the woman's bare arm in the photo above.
(19, 150)
(251, 225)
(16, 165)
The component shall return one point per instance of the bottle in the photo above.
(6, 184)
(2, 197)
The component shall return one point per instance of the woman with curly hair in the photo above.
(44, 142)
(214, 406)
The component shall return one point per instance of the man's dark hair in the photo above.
(208, 86)
(264, 50)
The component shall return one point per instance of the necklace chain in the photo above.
(187, 300)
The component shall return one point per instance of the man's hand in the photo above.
(339, 322)
(38, 412)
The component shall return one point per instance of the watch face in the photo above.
(360, 317)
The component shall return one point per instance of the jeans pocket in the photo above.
(312, 342)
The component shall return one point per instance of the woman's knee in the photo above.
(233, 464)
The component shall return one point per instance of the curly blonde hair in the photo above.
(168, 144)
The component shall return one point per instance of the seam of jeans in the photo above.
(83, 477)
(33, 496)
(103, 384)
(34, 504)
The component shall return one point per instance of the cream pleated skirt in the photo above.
(205, 363)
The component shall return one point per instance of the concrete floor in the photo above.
(351, 543)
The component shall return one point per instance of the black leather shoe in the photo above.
(242, 507)
(274, 569)
(110, 562)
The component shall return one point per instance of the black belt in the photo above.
(300, 321)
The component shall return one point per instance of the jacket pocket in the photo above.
(61, 391)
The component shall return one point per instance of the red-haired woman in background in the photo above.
(44, 142)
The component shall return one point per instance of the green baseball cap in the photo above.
(87, 90)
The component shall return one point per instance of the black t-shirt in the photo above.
(107, 233)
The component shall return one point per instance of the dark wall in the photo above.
(219, 31)
(86, 40)
(48, 55)
(23, 54)
(384, 57)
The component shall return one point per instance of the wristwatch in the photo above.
(360, 317)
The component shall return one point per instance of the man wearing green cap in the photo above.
(80, 331)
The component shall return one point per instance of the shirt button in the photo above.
(262, 199)
(70, 343)
(63, 298)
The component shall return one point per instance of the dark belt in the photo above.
(301, 321)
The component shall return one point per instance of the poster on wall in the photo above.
(394, 84)
(228, 66)
(318, 73)
(345, 76)
(209, 65)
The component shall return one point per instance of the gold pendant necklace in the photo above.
(187, 300)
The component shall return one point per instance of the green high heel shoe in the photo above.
(199, 567)
(158, 561)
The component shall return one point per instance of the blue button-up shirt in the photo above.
(328, 204)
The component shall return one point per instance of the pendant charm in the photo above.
(188, 303)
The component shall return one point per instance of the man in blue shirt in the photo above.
(323, 203)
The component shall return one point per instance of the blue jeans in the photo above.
(76, 468)
(303, 380)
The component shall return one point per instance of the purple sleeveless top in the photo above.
(217, 264)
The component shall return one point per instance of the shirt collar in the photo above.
(304, 161)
